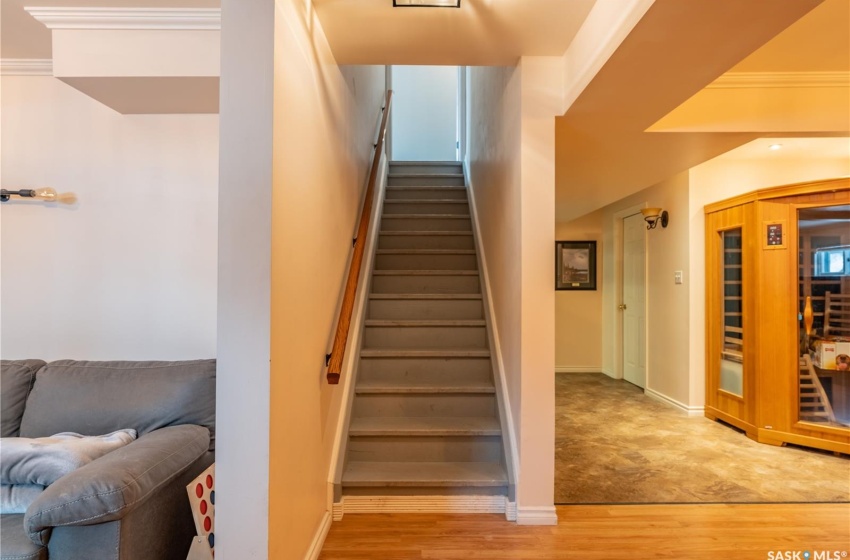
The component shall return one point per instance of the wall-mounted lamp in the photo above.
(653, 216)
(46, 194)
(426, 3)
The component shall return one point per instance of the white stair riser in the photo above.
(390, 223)
(460, 241)
(433, 181)
(388, 370)
(421, 338)
(396, 207)
(413, 405)
(424, 261)
(425, 284)
(421, 309)
(455, 449)
(425, 193)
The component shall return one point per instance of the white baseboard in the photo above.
(610, 373)
(319, 538)
(577, 369)
(689, 410)
(510, 511)
(422, 504)
(536, 515)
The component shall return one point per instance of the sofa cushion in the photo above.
(16, 544)
(46, 460)
(99, 397)
(16, 380)
(16, 498)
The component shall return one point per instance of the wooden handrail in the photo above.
(343, 326)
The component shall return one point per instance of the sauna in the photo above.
(778, 314)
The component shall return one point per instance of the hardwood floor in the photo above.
(679, 532)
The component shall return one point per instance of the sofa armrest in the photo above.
(108, 488)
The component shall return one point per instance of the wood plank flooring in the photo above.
(633, 532)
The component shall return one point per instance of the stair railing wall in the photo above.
(336, 357)
(509, 436)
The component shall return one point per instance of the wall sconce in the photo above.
(653, 216)
(426, 3)
(46, 194)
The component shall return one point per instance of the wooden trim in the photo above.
(794, 189)
(717, 414)
(344, 324)
(807, 441)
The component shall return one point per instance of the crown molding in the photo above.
(26, 67)
(181, 19)
(736, 80)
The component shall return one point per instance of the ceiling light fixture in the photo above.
(426, 3)
(775, 147)
(653, 216)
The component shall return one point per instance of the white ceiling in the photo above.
(21, 36)
(481, 33)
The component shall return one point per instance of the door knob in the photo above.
(622, 306)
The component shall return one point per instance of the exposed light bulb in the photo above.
(46, 193)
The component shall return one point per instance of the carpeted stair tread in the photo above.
(426, 251)
(426, 323)
(426, 296)
(367, 473)
(409, 353)
(403, 272)
(426, 216)
(427, 232)
(422, 385)
(433, 426)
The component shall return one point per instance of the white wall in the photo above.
(424, 118)
(578, 314)
(129, 272)
(244, 272)
(511, 153)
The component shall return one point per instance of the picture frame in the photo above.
(575, 265)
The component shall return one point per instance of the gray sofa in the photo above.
(130, 504)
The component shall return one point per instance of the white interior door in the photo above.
(634, 300)
(424, 123)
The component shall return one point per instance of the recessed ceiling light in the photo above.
(426, 3)
(775, 147)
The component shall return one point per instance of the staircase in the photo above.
(425, 419)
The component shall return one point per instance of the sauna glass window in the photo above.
(732, 355)
(824, 319)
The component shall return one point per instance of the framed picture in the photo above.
(575, 265)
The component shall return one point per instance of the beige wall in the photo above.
(129, 271)
(667, 313)
(494, 172)
(578, 314)
(325, 118)
(511, 151)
